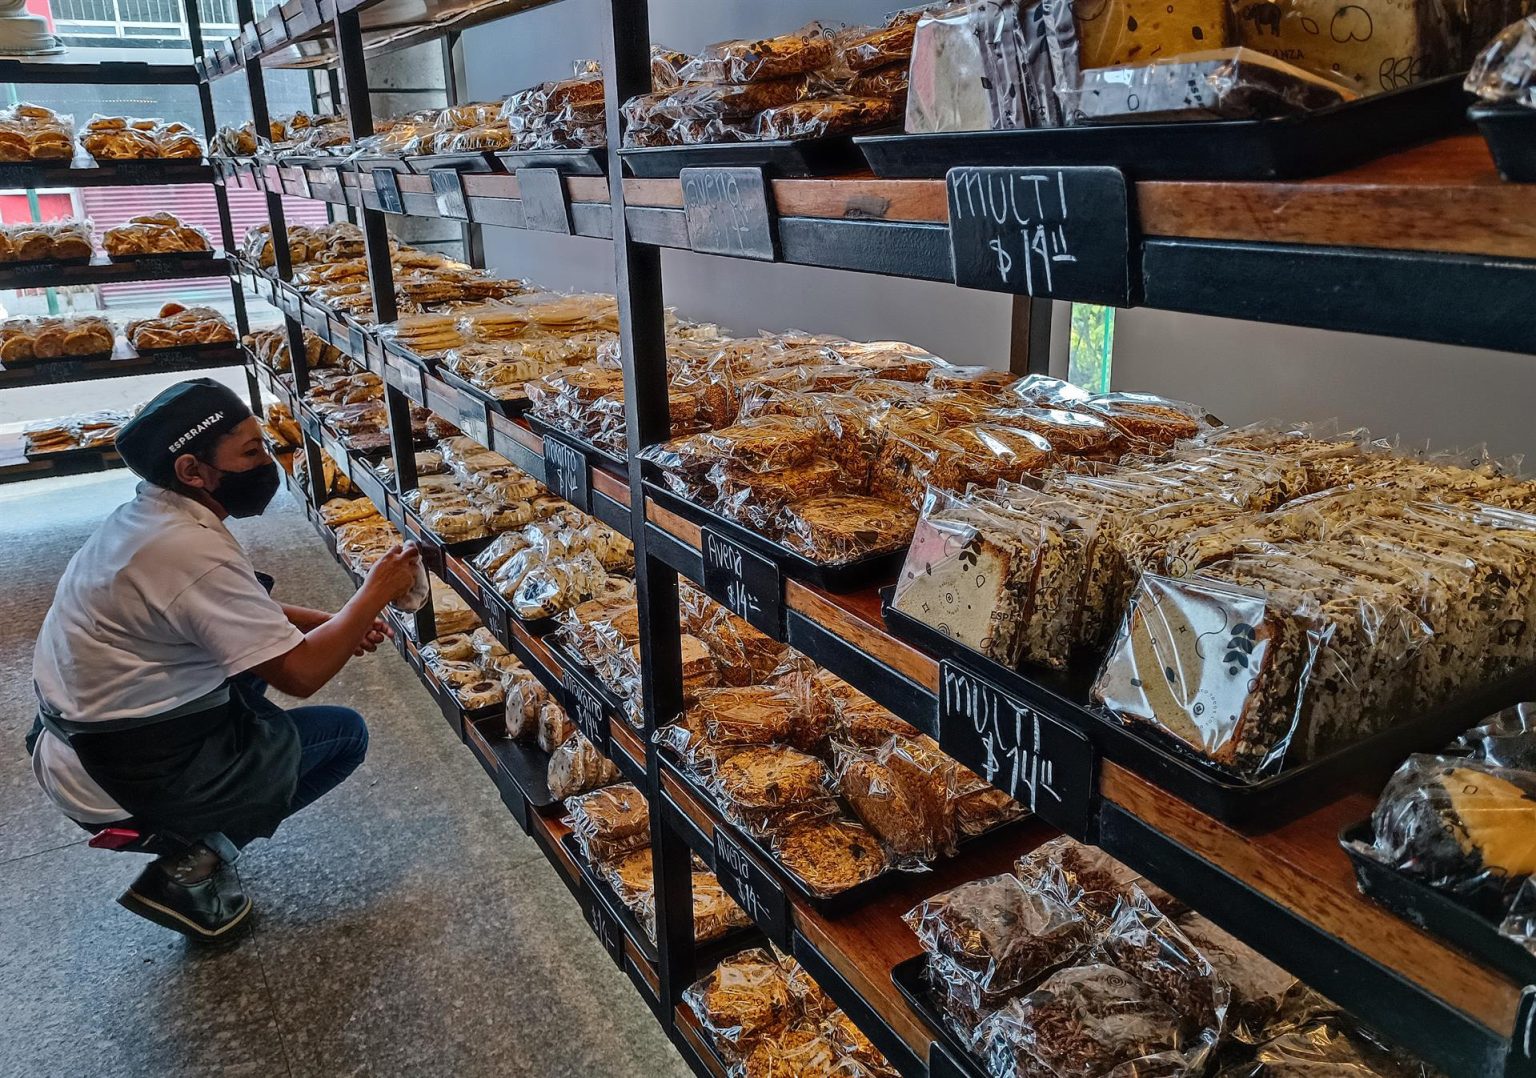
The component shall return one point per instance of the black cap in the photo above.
(184, 418)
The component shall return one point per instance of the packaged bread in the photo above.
(610, 822)
(154, 234)
(34, 133)
(577, 766)
(745, 60)
(47, 241)
(967, 71)
(904, 793)
(837, 528)
(1115, 32)
(1368, 47)
(1225, 84)
(180, 327)
(23, 340)
(744, 1000)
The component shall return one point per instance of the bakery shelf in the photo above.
(16, 466)
(97, 67)
(1448, 247)
(112, 174)
(123, 363)
(102, 270)
(851, 955)
(1289, 891)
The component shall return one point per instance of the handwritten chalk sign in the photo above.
(585, 707)
(753, 888)
(1053, 233)
(745, 583)
(1049, 767)
(448, 192)
(387, 186)
(728, 212)
(567, 473)
(545, 205)
(607, 928)
(495, 614)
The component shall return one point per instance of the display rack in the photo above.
(1450, 254)
(113, 67)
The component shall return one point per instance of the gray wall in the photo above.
(1242, 371)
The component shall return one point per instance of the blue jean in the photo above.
(332, 742)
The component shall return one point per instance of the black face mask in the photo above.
(248, 493)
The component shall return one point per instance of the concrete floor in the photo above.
(405, 926)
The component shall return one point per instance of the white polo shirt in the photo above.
(158, 607)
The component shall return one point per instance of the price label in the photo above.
(1046, 765)
(357, 343)
(272, 292)
(607, 928)
(448, 190)
(201, 68)
(585, 707)
(545, 205)
(317, 320)
(567, 473)
(755, 891)
(250, 41)
(387, 186)
(311, 425)
(300, 176)
(404, 377)
(728, 213)
(473, 421)
(495, 613)
(1054, 233)
(745, 583)
(1521, 1061)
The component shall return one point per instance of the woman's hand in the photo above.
(394, 574)
(377, 633)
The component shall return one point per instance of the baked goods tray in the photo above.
(512, 408)
(910, 980)
(585, 162)
(1259, 804)
(832, 906)
(845, 576)
(608, 461)
(1471, 926)
(1509, 129)
(778, 157)
(1290, 147)
(523, 764)
(469, 161)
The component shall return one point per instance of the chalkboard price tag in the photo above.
(201, 69)
(250, 41)
(357, 343)
(301, 181)
(1053, 233)
(728, 212)
(545, 205)
(404, 377)
(746, 583)
(272, 292)
(1521, 1060)
(387, 186)
(567, 473)
(448, 190)
(607, 928)
(473, 422)
(755, 891)
(942, 1065)
(495, 613)
(1046, 765)
(585, 707)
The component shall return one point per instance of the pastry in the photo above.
(610, 822)
(577, 766)
(829, 855)
(772, 780)
(743, 1001)
(837, 528)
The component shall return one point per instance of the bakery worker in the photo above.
(152, 661)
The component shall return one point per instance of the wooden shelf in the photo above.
(1391, 974)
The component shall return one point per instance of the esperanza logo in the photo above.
(195, 431)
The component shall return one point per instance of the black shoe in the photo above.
(209, 911)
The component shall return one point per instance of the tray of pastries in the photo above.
(179, 327)
(125, 138)
(27, 340)
(34, 133)
(90, 430)
(61, 241)
(159, 233)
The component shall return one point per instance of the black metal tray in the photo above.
(514, 407)
(835, 906)
(1291, 147)
(1473, 930)
(848, 576)
(585, 162)
(468, 161)
(778, 157)
(909, 981)
(523, 762)
(1510, 131)
(1257, 805)
(610, 462)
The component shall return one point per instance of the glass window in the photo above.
(1092, 346)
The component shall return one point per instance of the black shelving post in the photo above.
(642, 340)
(220, 193)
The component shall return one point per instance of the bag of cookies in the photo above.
(904, 793)
(764, 786)
(610, 822)
(743, 60)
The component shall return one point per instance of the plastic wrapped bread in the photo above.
(965, 71)
(1505, 70)
(745, 60)
(1370, 46)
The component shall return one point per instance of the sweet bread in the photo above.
(830, 855)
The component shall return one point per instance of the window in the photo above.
(1092, 346)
